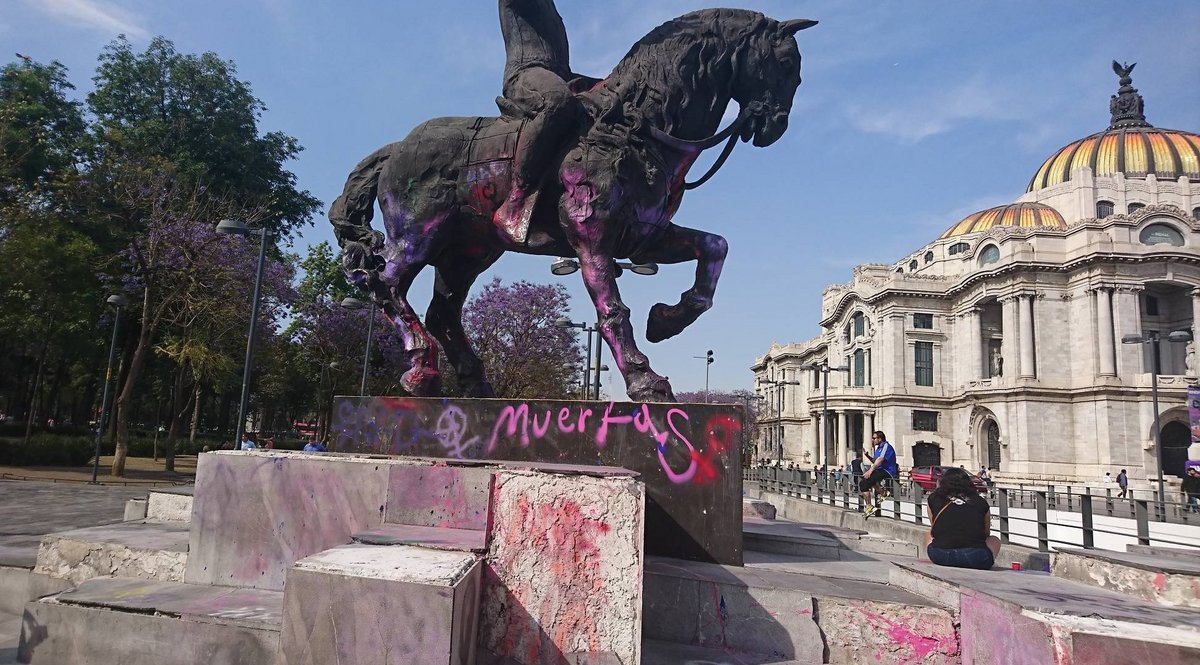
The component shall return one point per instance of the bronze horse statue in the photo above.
(610, 195)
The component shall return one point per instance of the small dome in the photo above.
(1130, 146)
(1028, 215)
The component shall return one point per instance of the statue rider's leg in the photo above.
(555, 111)
(678, 244)
(456, 272)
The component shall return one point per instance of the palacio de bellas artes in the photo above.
(998, 344)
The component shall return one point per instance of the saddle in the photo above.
(485, 180)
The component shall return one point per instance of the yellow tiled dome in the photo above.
(1014, 214)
(1130, 145)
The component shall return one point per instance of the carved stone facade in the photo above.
(1002, 347)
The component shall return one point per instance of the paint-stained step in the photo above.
(1158, 579)
(792, 616)
(655, 652)
(146, 550)
(1009, 616)
(432, 537)
(140, 622)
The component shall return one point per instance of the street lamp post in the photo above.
(824, 368)
(779, 412)
(117, 302)
(564, 322)
(355, 303)
(1152, 338)
(232, 227)
(708, 361)
(565, 266)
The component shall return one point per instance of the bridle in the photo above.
(754, 110)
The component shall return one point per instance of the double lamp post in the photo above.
(824, 368)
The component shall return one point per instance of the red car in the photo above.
(927, 477)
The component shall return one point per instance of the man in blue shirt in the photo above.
(883, 468)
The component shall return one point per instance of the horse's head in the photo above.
(766, 75)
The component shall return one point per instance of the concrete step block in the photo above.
(373, 605)
(21, 585)
(435, 538)
(1174, 582)
(136, 622)
(456, 497)
(172, 505)
(564, 568)
(655, 652)
(145, 550)
(758, 508)
(786, 615)
(135, 510)
(1175, 553)
(812, 545)
(1007, 616)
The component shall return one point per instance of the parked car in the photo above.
(927, 477)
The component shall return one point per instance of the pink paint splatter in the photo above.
(1160, 581)
(920, 645)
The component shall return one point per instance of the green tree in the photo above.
(41, 133)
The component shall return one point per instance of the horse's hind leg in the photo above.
(676, 245)
(456, 272)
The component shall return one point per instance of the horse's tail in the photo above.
(351, 215)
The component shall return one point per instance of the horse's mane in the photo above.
(678, 59)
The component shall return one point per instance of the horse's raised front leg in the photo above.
(676, 245)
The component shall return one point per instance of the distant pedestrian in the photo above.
(312, 447)
(248, 442)
(985, 476)
(856, 472)
(1108, 478)
(879, 475)
(1191, 489)
(1123, 483)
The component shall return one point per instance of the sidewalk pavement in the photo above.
(139, 471)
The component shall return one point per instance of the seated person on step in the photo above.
(961, 531)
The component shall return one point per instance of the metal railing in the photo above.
(1040, 516)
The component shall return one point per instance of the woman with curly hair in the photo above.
(960, 534)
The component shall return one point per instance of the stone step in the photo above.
(373, 605)
(1009, 616)
(819, 541)
(790, 616)
(1162, 580)
(655, 652)
(145, 550)
(170, 504)
(140, 622)
(1176, 553)
(437, 538)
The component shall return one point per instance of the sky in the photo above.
(911, 116)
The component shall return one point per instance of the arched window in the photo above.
(1103, 209)
(912, 265)
(959, 248)
(1161, 234)
(1134, 207)
(928, 257)
(990, 254)
(1196, 213)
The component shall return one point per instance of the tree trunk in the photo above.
(125, 398)
(32, 415)
(179, 410)
(196, 412)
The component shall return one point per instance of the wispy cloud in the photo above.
(934, 113)
(97, 15)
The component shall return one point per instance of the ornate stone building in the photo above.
(999, 344)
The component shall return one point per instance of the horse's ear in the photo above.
(795, 25)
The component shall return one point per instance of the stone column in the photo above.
(1027, 355)
(975, 339)
(1104, 332)
(868, 428)
(843, 436)
(1009, 346)
(817, 443)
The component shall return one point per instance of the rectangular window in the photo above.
(860, 325)
(923, 364)
(1151, 306)
(924, 321)
(860, 368)
(925, 421)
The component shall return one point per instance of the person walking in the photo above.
(1123, 483)
(960, 534)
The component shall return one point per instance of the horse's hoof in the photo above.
(652, 389)
(423, 382)
(661, 323)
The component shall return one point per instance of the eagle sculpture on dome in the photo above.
(1124, 71)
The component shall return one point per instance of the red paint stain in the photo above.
(1160, 581)
(919, 644)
